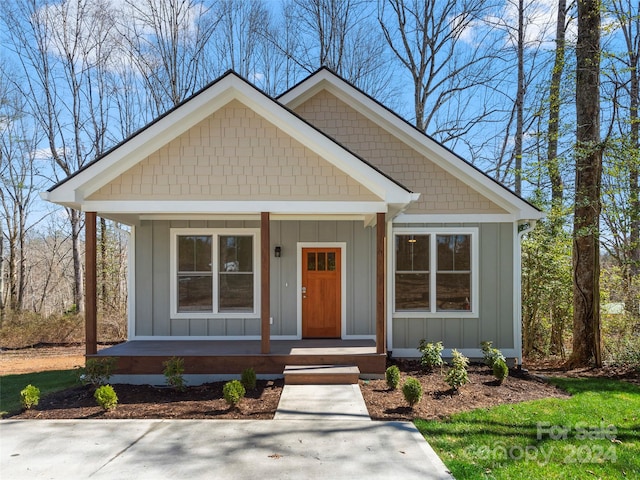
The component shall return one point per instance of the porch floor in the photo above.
(141, 348)
(233, 356)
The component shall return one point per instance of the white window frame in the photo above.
(215, 233)
(432, 312)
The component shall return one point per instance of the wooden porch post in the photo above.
(381, 227)
(90, 287)
(265, 283)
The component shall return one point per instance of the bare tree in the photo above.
(586, 229)
(427, 38)
(341, 35)
(169, 40)
(20, 183)
(60, 47)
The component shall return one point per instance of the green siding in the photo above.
(496, 290)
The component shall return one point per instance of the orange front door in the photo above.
(321, 302)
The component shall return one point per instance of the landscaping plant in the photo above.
(392, 375)
(29, 396)
(233, 392)
(173, 372)
(457, 374)
(500, 370)
(106, 397)
(97, 371)
(412, 391)
(248, 378)
(431, 354)
(490, 354)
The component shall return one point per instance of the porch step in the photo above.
(321, 374)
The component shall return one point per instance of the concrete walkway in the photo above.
(300, 444)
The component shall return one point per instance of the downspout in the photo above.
(523, 227)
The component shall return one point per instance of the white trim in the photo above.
(446, 353)
(343, 282)
(433, 255)
(172, 207)
(517, 282)
(253, 217)
(455, 218)
(215, 233)
(131, 284)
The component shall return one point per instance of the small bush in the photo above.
(106, 397)
(491, 355)
(392, 375)
(29, 396)
(233, 392)
(500, 370)
(431, 354)
(412, 391)
(97, 371)
(457, 374)
(248, 378)
(173, 372)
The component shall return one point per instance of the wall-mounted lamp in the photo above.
(278, 251)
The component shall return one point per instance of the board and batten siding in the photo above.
(496, 284)
(152, 279)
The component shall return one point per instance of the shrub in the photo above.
(173, 372)
(233, 392)
(29, 396)
(412, 391)
(457, 374)
(500, 370)
(106, 397)
(491, 355)
(248, 378)
(392, 375)
(97, 371)
(431, 354)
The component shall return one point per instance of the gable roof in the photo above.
(326, 79)
(75, 189)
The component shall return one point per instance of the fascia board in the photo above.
(233, 207)
(413, 138)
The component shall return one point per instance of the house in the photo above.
(314, 228)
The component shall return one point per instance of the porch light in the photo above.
(277, 251)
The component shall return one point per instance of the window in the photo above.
(435, 272)
(213, 273)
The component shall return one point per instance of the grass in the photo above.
(593, 434)
(47, 382)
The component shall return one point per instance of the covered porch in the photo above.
(221, 357)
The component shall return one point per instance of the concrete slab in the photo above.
(199, 449)
(322, 402)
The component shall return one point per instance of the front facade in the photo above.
(318, 215)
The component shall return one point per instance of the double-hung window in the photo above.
(435, 272)
(214, 273)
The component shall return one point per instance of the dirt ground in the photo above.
(206, 401)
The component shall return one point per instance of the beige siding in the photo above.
(440, 191)
(234, 155)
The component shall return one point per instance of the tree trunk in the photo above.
(556, 346)
(586, 232)
(78, 286)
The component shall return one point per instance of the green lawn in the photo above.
(594, 434)
(47, 382)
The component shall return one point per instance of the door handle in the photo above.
(304, 292)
